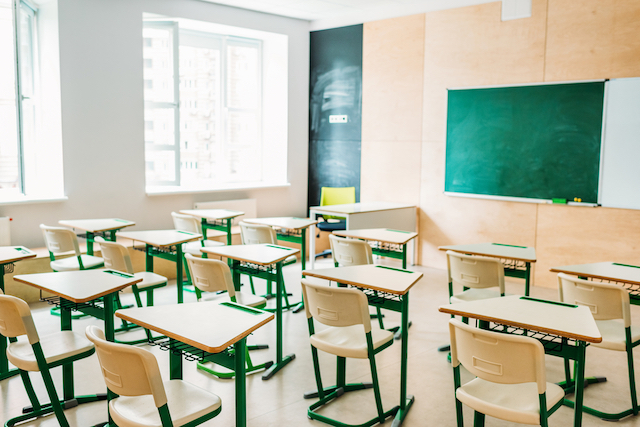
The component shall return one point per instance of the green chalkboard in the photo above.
(539, 142)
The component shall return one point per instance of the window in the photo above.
(205, 100)
(29, 167)
(17, 91)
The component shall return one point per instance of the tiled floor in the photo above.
(279, 402)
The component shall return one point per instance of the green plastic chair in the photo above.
(144, 399)
(35, 354)
(346, 313)
(213, 282)
(609, 304)
(511, 376)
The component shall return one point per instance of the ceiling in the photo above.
(334, 13)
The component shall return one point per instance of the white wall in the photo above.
(102, 117)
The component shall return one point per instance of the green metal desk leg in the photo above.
(281, 362)
(89, 243)
(404, 256)
(203, 223)
(148, 262)
(175, 362)
(179, 273)
(303, 248)
(527, 279)
(579, 374)
(5, 372)
(405, 400)
(228, 225)
(67, 370)
(241, 384)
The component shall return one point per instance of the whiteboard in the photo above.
(620, 179)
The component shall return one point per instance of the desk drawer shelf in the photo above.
(225, 358)
(73, 306)
(8, 268)
(553, 344)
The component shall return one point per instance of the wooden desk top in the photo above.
(574, 322)
(263, 254)
(290, 223)
(9, 254)
(160, 237)
(356, 208)
(97, 225)
(212, 213)
(604, 270)
(495, 250)
(209, 326)
(384, 235)
(79, 286)
(377, 277)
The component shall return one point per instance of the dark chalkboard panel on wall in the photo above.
(335, 90)
(537, 142)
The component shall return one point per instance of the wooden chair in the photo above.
(511, 376)
(36, 354)
(213, 282)
(610, 306)
(346, 313)
(144, 399)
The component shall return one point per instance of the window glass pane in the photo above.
(26, 52)
(160, 165)
(9, 153)
(200, 109)
(242, 77)
(159, 126)
(157, 54)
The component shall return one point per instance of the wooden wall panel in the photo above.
(392, 87)
(576, 235)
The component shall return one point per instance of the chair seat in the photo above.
(290, 260)
(149, 280)
(243, 298)
(349, 341)
(474, 295)
(71, 263)
(193, 248)
(613, 336)
(517, 403)
(186, 403)
(332, 225)
(57, 346)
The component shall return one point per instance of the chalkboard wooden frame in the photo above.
(531, 143)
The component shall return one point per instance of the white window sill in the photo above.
(166, 191)
(23, 200)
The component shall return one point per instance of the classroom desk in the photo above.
(384, 241)
(385, 287)
(366, 215)
(628, 276)
(9, 255)
(289, 229)
(222, 219)
(165, 244)
(106, 227)
(204, 331)
(89, 291)
(259, 261)
(564, 330)
(516, 259)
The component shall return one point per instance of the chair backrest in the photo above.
(473, 271)
(254, 234)
(497, 357)
(186, 223)
(347, 252)
(128, 370)
(606, 301)
(115, 255)
(337, 195)
(15, 318)
(210, 275)
(60, 240)
(336, 306)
